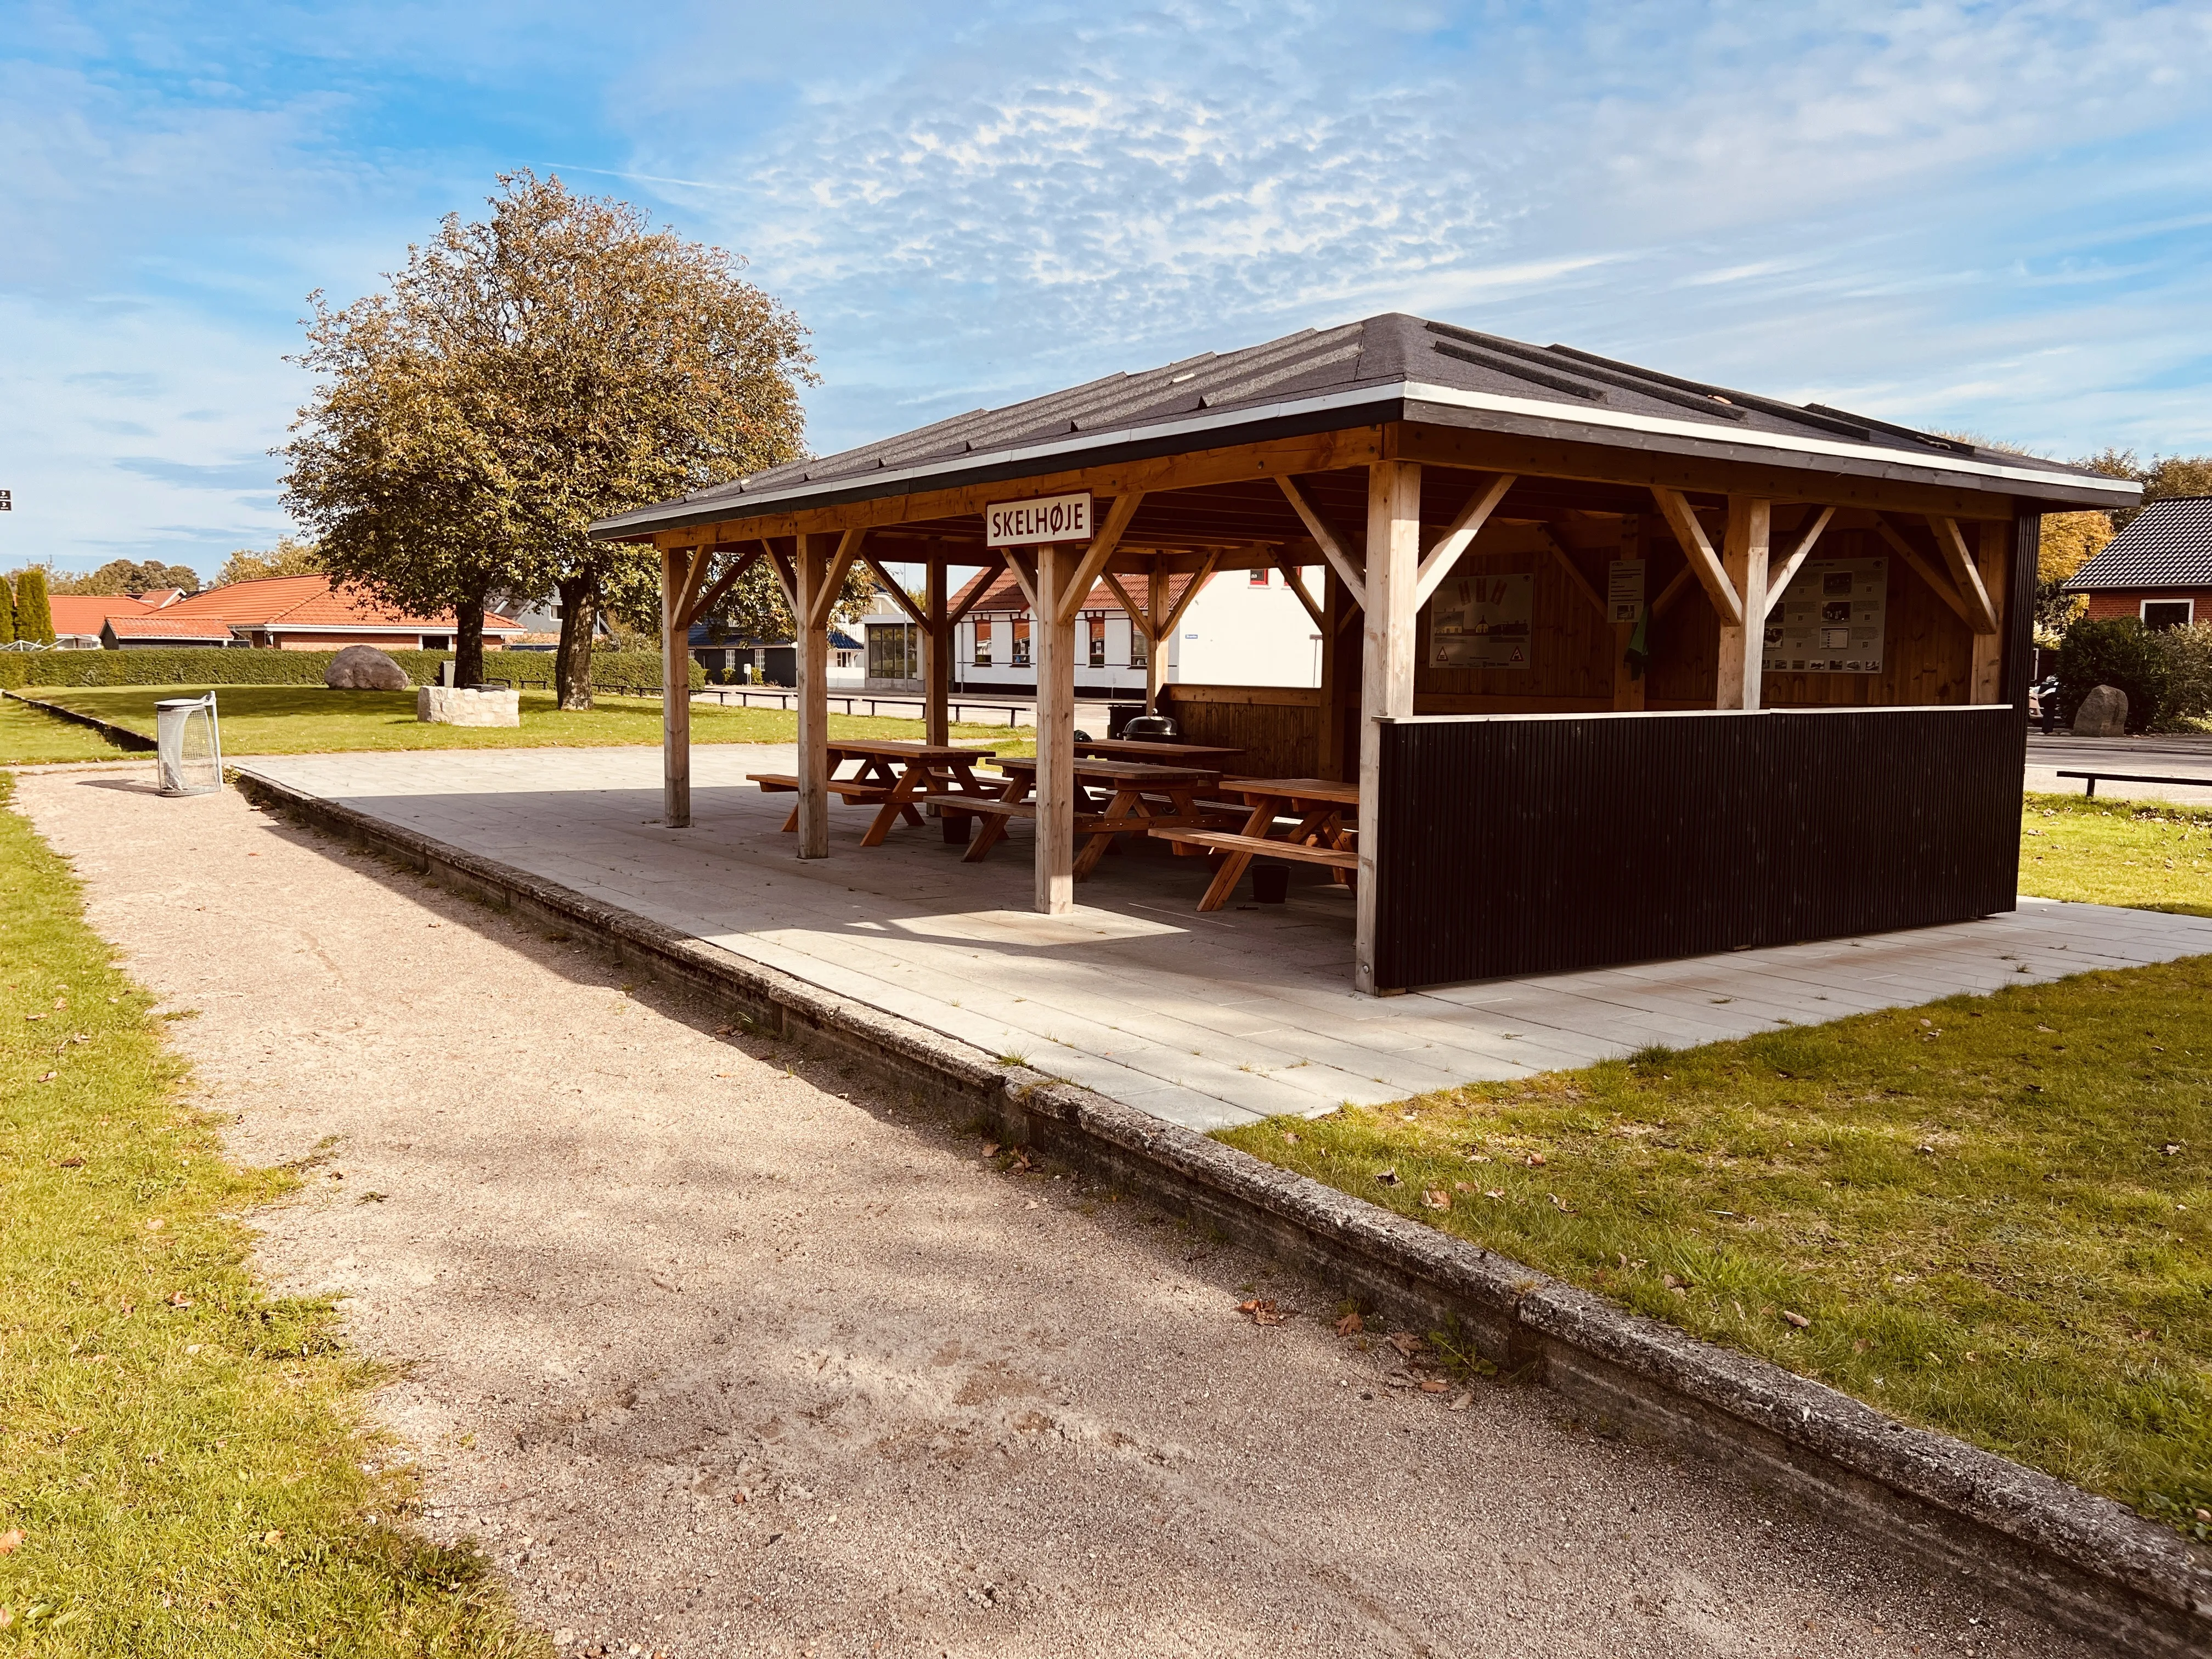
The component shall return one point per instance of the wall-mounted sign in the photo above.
(1829, 620)
(1048, 519)
(1481, 621)
(1624, 590)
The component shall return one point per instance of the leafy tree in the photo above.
(34, 618)
(129, 576)
(290, 557)
(7, 611)
(557, 362)
(2115, 651)
(2163, 476)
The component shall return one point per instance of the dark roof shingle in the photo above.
(2168, 545)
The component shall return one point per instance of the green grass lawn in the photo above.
(1990, 1212)
(294, 719)
(181, 1454)
(30, 736)
(2146, 854)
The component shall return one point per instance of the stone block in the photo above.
(2103, 713)
(460, 705)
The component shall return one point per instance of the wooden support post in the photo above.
(1743, 642)
(1628, 691)
(1994, 546)
(1329, 737)
(936, 654)
(680, 568)
(1052, 647)
(817, 553)
(1156, 639)
(1389, 592)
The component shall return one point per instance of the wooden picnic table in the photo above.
(895, 776)
(1141, 796)
(1319, 837)
(1211, 757)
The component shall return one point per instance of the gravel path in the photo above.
(719, 1351)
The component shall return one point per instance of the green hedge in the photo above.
(612, 670)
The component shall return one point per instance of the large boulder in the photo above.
(2103, 713)
(365, 668)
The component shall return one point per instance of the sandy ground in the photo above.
(719, 1351)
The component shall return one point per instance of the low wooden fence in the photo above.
(1276, 726)
(1543, 844)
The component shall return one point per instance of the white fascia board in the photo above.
(2122, 493)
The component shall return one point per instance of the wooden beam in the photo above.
(1704, 563)
(1325, 538)
(1297, 584)
(1386, 685)
(1778, 583)
(825, 600)
(1574, 571)
(1197, 583)
(1986, 684)
(1979, 612)
(1022, 562)
(1673, 591)
(1087, 568)
(1921, 568)
(695, 577)
(1458, 536)
(900, 597)
(678, 575)
(1743, 642)
(787, 578)
(981, 592)
(936, 658)
(723, 583)
(1322, 452)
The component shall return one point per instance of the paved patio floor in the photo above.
(1208, 1020)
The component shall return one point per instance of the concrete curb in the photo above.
(2083, 1561)
(122, 736)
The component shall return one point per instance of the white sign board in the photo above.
(1624, 590)
(1048, 519)
(1831, 619)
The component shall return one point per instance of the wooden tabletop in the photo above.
(1328, 789)
(1194, 754)
(1120, 771)
(905, 749)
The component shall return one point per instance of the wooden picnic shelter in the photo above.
(1622, 665)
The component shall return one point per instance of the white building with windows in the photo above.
(1245, 628)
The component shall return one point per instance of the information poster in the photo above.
(1830, 621)
(1481, 621)
(1624, 590)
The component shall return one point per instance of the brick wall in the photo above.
(2128, 602)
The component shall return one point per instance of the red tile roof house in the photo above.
(79, 617)
(2158, 570)
(291, 613)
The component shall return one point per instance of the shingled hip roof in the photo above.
(2168, 545)
(1389, 368)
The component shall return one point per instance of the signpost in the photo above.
(1048, 519)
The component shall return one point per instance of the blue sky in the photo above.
(1994, 217)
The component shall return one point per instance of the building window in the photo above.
(848, 660)
(2168, 613)
(894, 653)
(1137, 642)
(981, 656)
(1021, 642)
(1260, 578)
(1097, 627)
(437, 642)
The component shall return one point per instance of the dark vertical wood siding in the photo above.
(1520, 846)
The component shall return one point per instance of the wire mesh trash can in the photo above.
(187, 747)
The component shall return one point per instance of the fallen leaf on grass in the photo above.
(1351, 1325)
(10, 1540)
(1437, 1198)
(1796, 1319)
(1260, 1312)
(1561, 1205)
(1536, 1160)
(178, 1299)
(273, 1536)
(1492, 1193)
(34, 1017)
(2171, 1149)
(72, 1162)
(49, 1077)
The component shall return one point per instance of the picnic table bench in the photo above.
(1212, 758)
(896, 776)
(1141, 796)
(1319, 837)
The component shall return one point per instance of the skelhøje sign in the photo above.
(1048, 519)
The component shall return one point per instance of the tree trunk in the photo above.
(579, 622)
(468, 640)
